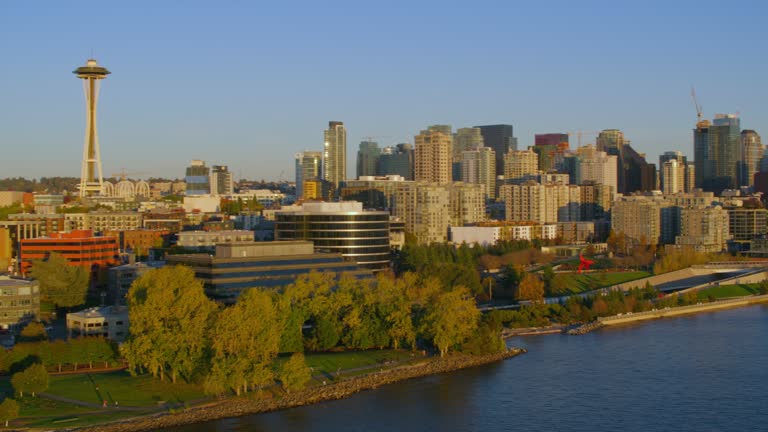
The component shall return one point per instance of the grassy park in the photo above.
(727, 291)
(575, 283)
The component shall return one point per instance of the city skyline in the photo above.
(279, 99)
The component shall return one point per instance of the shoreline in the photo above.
(682, 310)
(241, 406)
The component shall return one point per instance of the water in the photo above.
(706, 372)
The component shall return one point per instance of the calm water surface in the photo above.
(706, 372)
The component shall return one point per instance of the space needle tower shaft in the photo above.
(91, 179)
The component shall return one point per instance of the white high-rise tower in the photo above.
(91, 179)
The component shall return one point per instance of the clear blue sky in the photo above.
(248, 84)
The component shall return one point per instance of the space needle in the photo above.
(91, 180)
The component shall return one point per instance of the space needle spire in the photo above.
(91, 180)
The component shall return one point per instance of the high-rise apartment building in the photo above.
(466, 139)
(397, 160)
(198, 178)
(308, 167)
(690, 176)
(541, 203)
(640, 218)
(221, 180)
(704, 229)
(501, 139)
(479, 167)
(433, 157)
(425, 208)
(753, 154)
(520, 163)
(335, 154)
(367, 157)
(467, 203)
(672, 177)
(596, 166)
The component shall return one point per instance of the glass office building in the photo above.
(341, 227)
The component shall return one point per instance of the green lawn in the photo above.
(575, 283)
(329, 363)
(123, 388)
(725, 291)
(73, 418)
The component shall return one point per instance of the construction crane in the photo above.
(581, 133)
(696, 104)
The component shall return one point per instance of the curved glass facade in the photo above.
(362, 237)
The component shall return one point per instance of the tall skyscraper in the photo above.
(501, 139)
(433, 157)
(397, 160)
(673, 166)
(705, 166)
(335, 154)
(611, 139)
(308, 167)
(753, 153)
(91, 178)
(198, 178)
(725, 146)
(479, 166)
(466, 139)
(719, 146)
(672, 177)
(367, 156)
(221, 180)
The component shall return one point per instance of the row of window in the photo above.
(283, 225)
(358, 233)
(332, 218)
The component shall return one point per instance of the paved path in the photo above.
(89, 404)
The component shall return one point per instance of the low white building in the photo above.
(110, 322)
(202, 203)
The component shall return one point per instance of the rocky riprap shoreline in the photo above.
(585, 328)
(240, 406)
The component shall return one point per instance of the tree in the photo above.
(245, 342)
(33, 332)
(33, 379)
(9, 410)
(170, 317)
(295, 373)
(531, 288)
(62, 284)
(451, 319)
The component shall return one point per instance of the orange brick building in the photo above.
(140, 241)
(79, 247)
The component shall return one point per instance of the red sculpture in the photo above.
(584, 263)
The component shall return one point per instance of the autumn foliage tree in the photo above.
(295, 373)
(245, 341)
(531, 288)
(170, 317)
(33, 379)
(61, 283)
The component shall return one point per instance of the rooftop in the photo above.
(91, 70)
(8, 281)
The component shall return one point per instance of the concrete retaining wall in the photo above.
(682, 310)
